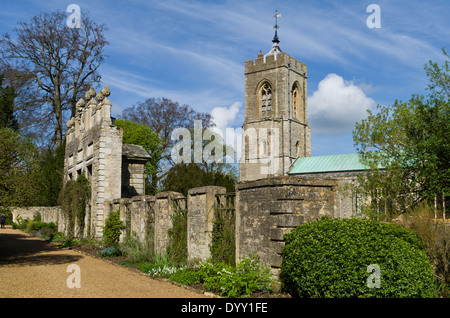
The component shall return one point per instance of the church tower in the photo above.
(275, 130)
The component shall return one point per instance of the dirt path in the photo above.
(31, 267)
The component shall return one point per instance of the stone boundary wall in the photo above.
(200, 220)
(48, 214)
(150, 218)
(269, 208)
(265, 209)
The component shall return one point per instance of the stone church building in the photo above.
(276, 134)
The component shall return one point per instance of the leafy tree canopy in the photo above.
(142, 135)
(411, 140)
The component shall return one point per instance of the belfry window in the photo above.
(263, 149)
(266, 100)
(296, 102)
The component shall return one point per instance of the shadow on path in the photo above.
(18, 248)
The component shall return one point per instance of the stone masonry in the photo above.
(94, 148)
(281, 134)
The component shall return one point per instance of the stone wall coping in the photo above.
(206, 189)
(167, 194)
(287, 180)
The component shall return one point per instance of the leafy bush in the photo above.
(73, 199)
(137, 251)
(161, 267)
(112, 229)
(21, 224)
(330, 258)
(249, 276)
(186, 276)
(110, 252)
(436, 236)
(177, 245)
(223, 245)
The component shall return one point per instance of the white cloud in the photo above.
(336, 106)
(223, 117)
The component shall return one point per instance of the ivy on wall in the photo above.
(74, 198)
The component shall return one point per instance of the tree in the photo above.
(7, 95)
(182, 177)
(50, 175)
(55, 62)
(139, 134)
(410, 140)
(163, 116)
(18, 168)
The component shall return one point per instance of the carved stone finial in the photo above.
(90, 94)
(106, 92)
(100, 97)
(71, 122)
(81, 103)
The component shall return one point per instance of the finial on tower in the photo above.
(276, 27)
(275, 47)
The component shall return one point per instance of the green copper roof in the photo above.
(333, 163)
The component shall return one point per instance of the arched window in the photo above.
(295, 102)
(263, 149)
(297, 149)
(266, 100)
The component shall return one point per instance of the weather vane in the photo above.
(276, 26)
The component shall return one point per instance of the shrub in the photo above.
(249, 276)
(161, 267)
(186, 276)
(436, 236)
(177, 245)
(110, 252)
(330, 258)
(137, 251)
(73, 199)
(112, 229)
(21, 224)
(223, 244)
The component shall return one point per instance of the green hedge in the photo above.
(330, 258)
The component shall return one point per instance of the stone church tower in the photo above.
(275, 131)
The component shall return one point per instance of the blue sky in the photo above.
(193, 52)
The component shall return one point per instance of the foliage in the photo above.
(137, 251)
(186, 276)
(112, 229)
(50, 175)
(177, 245)
(7, 96)
(45, 230)
(439, 76)
(160, 267)
(163, 116)
(73, 199)
(21, 223)
(223, 246)
(18, 169)
(436, 236)
(139, 134)
(330, 258)
(247, 277)
(110, 252)
(410, 141)
(182, 177)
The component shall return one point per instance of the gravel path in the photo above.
(30, 267)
